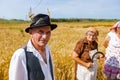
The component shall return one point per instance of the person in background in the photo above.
(86, 69)
(33, 61)
(112, 45)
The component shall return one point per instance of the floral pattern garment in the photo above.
(112, 63)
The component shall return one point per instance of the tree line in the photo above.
(17, 21)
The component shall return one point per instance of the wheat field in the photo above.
(62, 42)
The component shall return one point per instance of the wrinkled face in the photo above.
(91, 36)
(40, 36)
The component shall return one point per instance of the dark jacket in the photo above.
(34, 68)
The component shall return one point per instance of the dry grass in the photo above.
(62, 42)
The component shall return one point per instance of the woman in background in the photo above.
(112, 45)
(85, 68)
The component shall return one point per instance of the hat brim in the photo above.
(53, 26)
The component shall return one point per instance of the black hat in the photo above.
(41, 20)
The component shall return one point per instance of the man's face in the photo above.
(91, 36)
(40, 35)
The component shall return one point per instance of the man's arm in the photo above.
(17, 69)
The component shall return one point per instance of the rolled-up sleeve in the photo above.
(78, 47)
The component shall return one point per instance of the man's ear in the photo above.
(30, 31)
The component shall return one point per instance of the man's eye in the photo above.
(48, 33)
(41, 32)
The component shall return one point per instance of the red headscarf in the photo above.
(114, 27)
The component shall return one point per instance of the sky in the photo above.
(99, 9)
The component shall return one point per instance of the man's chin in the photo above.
(42, 44)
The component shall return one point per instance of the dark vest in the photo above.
(34, 68)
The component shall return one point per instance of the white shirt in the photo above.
(17, 69)
(113, 50)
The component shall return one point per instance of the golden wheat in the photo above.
(62, 42)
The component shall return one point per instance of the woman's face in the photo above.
(40, 36)
(91, 36)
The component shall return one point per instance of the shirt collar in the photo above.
(31, 48)
(86, 41)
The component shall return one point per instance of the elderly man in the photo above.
(33, 61)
